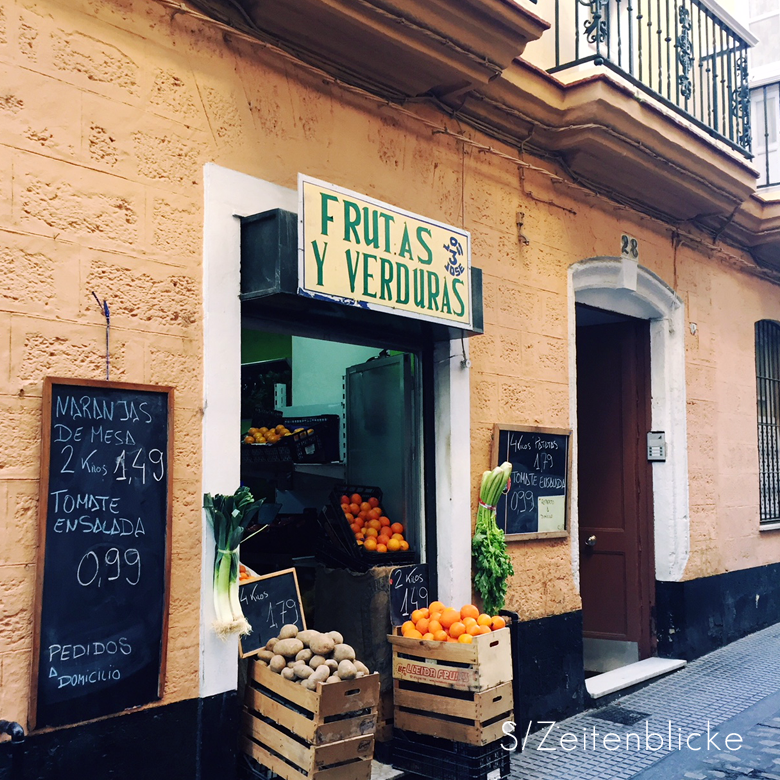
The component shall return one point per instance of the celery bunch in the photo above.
(492, 564)
(229, 517)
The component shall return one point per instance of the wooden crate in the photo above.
(327, 734)
(483, 664)
(385, 715)
(473, 717)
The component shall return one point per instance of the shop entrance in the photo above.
(615, 488)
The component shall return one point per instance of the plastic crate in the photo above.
(327, 427)
(303, 447)
(443, 759)
(336, 515)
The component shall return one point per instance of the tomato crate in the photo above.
(470, 717)
(483, 664)
(443, 759)
(327, 734)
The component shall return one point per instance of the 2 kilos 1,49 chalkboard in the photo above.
(537, 502)
(104, 553)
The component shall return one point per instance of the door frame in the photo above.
(621, 285)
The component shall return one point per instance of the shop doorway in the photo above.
(615, 502)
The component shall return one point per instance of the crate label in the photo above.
(431, 661)
(429, 673)
(494, 775)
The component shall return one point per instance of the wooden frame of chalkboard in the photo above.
(165, 463)
(253, 580)
(499, 457)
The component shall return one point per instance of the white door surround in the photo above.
(621, 285)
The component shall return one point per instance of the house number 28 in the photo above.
(629, 247)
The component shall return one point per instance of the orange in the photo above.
(381, 548)
(373, 501)
(365, 507)
(354, 508)
(345, 507)
(345, 500)
(355, 528)
(435, 616)
(457, 628)
(450, 639)
(359, 521)
(498, 622)
(416, 615)
(370, 532)
(397, 528)
(485, 630)
(428, 636)
(474, 629)
(370, 543)
(440, 636)
(469, 611)
(408, 626)
(385, 521)
(465, 639)
(404, 546)
(436, 606)
(350, 517)
(374, 515)
(423, 625)
(434, 625)
(374, 524)
(378, 510)
(394, 545)
(362, 516)
(469, 621)
(413, 634)
(397, 537)
(382, 539)
(484, 620)
(356, 499)
(449, 616)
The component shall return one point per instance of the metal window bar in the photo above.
(768, 414)
(678, 51)
(767, 144)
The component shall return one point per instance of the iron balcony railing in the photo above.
(678, 51)
(765, 107)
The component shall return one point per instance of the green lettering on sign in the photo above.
(325, 216)
(352, 269)
(428, 254)
(320, 259)
(367, 275)
(385, 278)
(402, 285)
(351, 220)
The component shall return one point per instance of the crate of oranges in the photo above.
(371, 534)
(452, 673)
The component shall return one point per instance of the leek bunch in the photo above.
(492, 564)
(229, 517)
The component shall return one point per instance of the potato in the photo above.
(333, 678)
(322, 645)
(288, 632)
(359, 675)
(292, 664)
(320, 674)
(269, 645)
(309, 685)
(262, 662)
(347, 670)
(264, 655)
(361, 667)
(288, 674)
(306, 636)
(332, 665)
(289, 648)
(302, 671)
(277, 663)
(336, 637)
(305, 655)
(343, 652)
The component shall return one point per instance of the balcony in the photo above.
(680, 52)
(765, 107)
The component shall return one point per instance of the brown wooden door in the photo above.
(614, 480)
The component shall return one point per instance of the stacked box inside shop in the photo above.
(325, 734)
(450, 703)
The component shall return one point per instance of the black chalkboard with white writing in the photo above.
(537, 500)
(409, 591)
(269, 603)
(104, 549)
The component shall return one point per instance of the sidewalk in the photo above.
(661, 732)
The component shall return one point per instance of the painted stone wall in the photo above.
(108, 111)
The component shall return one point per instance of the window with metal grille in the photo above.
(768, 395)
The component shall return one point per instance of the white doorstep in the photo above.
(633, 674)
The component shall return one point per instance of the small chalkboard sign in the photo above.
(408, 591)
(104, 550)
(537, 502)
(269, 602)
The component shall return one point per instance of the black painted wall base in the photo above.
(549, 668)
(698, 616)
(195, 739)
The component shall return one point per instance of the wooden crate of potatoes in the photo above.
(324, 734)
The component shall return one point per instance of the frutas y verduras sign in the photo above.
(361, 252)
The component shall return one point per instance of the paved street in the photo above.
(717, 718)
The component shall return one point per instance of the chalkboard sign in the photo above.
(408, 591)
(104, 551)
(269, 603)
(537, 502)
